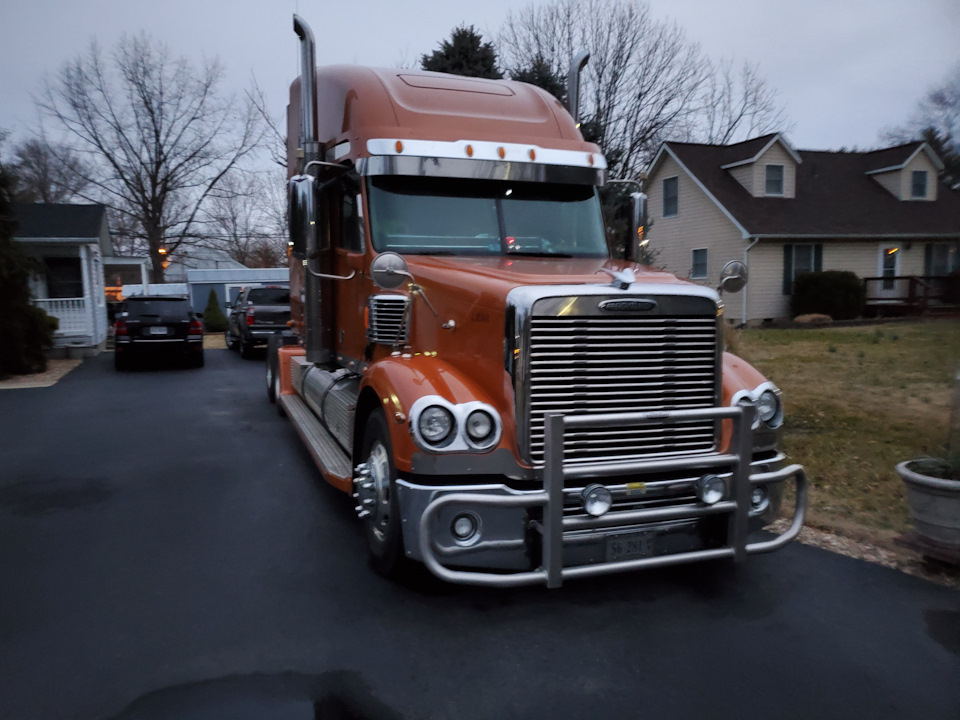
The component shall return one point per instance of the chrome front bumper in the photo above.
(520, 530)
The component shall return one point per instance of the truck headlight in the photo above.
(769, 409)
(710, 489)
(479, 425)
(435, 425)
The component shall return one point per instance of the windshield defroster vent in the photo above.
(387, 319)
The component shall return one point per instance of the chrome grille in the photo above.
(387, 313)
(590, 365)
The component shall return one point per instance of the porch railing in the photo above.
(915, 292)
(71, 312)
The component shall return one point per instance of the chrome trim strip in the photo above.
(486, 150)
(480, 170)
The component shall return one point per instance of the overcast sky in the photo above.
(845, 69)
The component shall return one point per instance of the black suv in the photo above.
(154, 325)
(258, 313)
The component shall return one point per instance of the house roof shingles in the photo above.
(834, 196)
(49, 220)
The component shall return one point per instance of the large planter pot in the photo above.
(935, 507)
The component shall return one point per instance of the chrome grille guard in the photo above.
(551, 571)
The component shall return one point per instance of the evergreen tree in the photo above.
(213, 318)
(25, 330)
(464, 53)
(540, 73)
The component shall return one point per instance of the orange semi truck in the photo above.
(505, 402)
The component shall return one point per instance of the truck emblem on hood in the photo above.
(638, 305)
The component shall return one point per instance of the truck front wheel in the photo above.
(378, 496)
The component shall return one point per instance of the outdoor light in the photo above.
(710, 489)
(464, 526)
(596, 500)
(435, 424)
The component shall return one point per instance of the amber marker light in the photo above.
(469, 150)
(590, 159)
(399, 146)
(533, 154)
(501, 152)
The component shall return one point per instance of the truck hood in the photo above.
(489, 279)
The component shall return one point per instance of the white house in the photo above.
(883, 215)
(71, 243)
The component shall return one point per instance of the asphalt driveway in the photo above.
(167, 551)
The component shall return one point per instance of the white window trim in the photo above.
(706, 264)
(783, 179)
(663, 187)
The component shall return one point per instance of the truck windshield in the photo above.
(431, 216)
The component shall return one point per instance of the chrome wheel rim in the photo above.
(379, 464)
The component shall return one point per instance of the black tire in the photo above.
(198, 360)
(120, 361)
(246, 350)
(231, 342)
(383, 526)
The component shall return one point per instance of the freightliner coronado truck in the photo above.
(505, 402)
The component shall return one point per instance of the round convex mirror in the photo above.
(389, 270)
(733, 277)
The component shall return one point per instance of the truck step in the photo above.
(324, 449)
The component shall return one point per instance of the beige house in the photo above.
(883, 215)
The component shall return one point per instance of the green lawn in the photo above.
(858, 401)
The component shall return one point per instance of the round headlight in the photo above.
(464, 526)
(436, 424)
(768, 408)
(596, 500)
(479, 425)
(711, 489)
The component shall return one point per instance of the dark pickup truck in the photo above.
(258, 313)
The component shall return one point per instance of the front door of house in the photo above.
(889, 270)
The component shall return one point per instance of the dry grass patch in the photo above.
(859, 400)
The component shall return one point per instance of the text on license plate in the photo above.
(627, 546)
(157, 331)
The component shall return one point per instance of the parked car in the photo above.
(258, 313)
(157, 326)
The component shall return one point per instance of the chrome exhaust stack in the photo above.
(308, 90)
(573, 84)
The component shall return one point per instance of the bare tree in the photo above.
(645, 82)
(737, 105)
(241, 218)
(936, 119)
(47, 175)
(155, 134)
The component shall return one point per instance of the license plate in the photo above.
(627, 546)
(157, 331)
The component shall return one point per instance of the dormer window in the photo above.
(774, 180)
(918, 184)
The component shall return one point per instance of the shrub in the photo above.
(213, 318)
(837, 293)
(25, 331)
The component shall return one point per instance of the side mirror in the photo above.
(302, 216)
(389, 270)
(733, 277)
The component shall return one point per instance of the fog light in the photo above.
(596, 500)
(464, 527)
(759, 499)
(710, 489)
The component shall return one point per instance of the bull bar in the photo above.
(552, 572)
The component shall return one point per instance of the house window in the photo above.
(64, 277)
(941, 259)
(774, 179)
(671, 196)
(918, 184)
(699, 270)
(799, 259)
